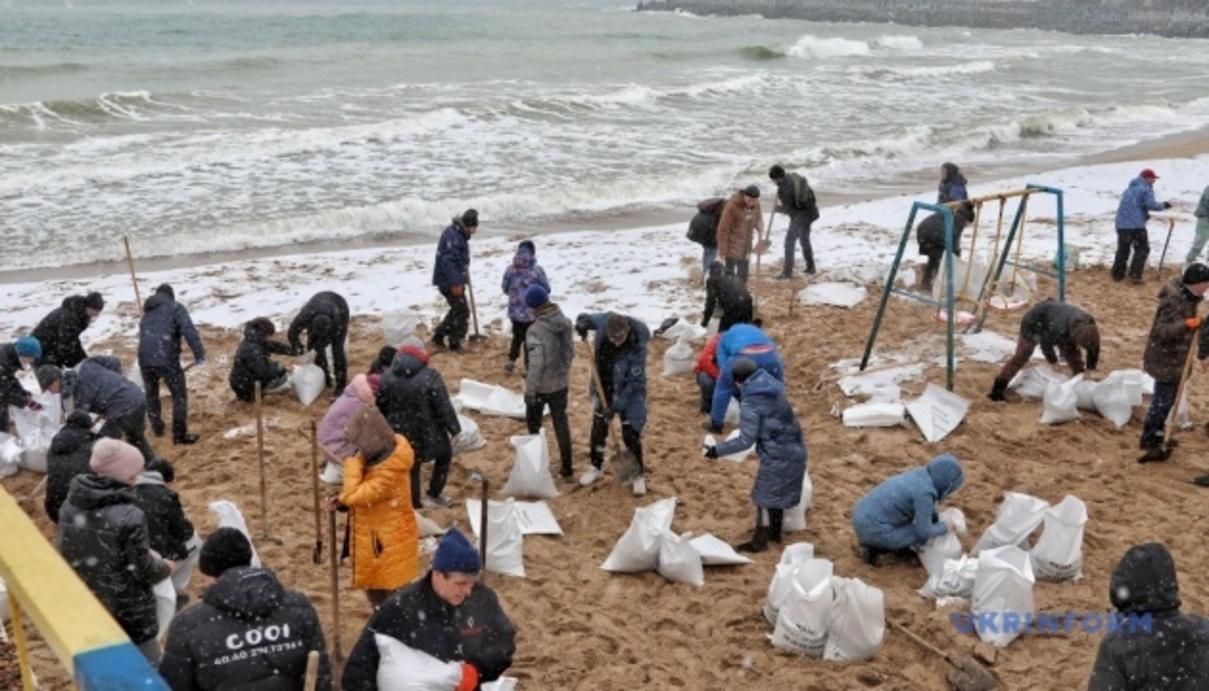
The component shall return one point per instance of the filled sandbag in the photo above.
(35, 431)
(935, 552)
(1002, 588)
(1111, 400)
(679, 562)
(530, 476)
(490, 399)
(778, 589)
(937, 412)
(736, 457)
(638, 548)
(505, 540)
(795, 516)
(10, 455)
(956, 579)
(1058, 554)
(1136, 383)
(308, 383)
(470, 438)
(165, 605)
(229, 516)
(857, 623)
(1018, 516)
(403, 668)
(679, 358)
(875, 415)
(716, 552)
(1085, 395)
(833, 294)
(398, 325)
(1032, 382)
(1060, 403)
(685, 330)
(803, 616)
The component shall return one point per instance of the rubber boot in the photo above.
(776, 517)
(998, 390)
(758, 543)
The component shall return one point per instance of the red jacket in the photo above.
(707, 361)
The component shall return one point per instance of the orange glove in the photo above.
(1192, 322)
(470, 678)
(456, 291)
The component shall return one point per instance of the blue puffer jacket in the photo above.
(165, 321)
(100, 388)
(523, 272)
(453, 257)
(901, 511)
(628, 378)
(768, 421)
(742, 340)
(1136, 204)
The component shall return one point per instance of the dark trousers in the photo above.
(558, 415)
(1154, 427)
(436, 483)
(935, 254)
(519, 329)
(174, 378)
(377, 597)
(339, 360)
(457, 320)
(1024, 350)
(1138, 240)
(706, 383)
(631, 437)
(738, 267)
(798, 233)
(133, 428)
(740, 314)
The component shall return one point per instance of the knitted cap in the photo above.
(28, 347)
(470, 218)
(115, 459)
(94, 301)
(536, 296)
(455, 554)
(1195, 273)
(47, 375)
(752, 191)
(226, 548)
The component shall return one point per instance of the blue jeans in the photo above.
(798, 233)
(1154, 427)
(708, 255)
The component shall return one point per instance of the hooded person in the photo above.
(253, 365)
(15, 357)
(416, 403)
(248, 632)
(385, 541)
(1157, 647)
(1171, 335)
(324, 319)
(451, 274)
(740, 341)
(952, 187)
(796, 200)
(165, 322)
(1052, 324)
(103, 536)
(931, 237)
(900, 513)
(59, 332)
(356, 396)
(1137, 201)
(522, 274)
(730, 295)
(549, 349)
(168, 528)
(447, 615)
(739, 229)
(768, 422)
(98, 387)
(69, 457)
(620, 349)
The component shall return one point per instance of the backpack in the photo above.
(803, 196)
(705, 223)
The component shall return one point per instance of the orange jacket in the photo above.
(707, 361)
(385, 542)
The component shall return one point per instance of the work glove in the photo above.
(1166, 205)
(470, 677)
(582, 326)
(456, 291)
(34, 405)
(710, 427)
(705, 323)
(711, 452)
(1192, 322)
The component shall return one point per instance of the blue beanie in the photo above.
(28, 346)
(536, 296)
(456, 554)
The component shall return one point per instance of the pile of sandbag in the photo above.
(1113, 397)
(818, 614)
(470, 438)
(508, 522)
(649, 544)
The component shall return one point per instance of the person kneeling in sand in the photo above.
(768, 422)
(1052, 324)
(253, 365)
(706, 369)
(447, 617)
(741, 341)
(900, 513)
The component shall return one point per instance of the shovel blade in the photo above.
(968, 675)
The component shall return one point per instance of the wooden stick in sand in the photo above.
(483, 531)
(317, 555)
(334, 568)
(1189, 368)
(133, 279)
(762, 246)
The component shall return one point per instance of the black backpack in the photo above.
(704, 225)
(803, 196)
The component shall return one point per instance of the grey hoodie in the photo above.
(551, 349)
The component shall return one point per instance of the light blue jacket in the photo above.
(768, 421)
(901, 511)
(1136, 204)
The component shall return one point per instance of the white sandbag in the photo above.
(880, 386)
(428, 527)
(1060, 404)
(935, 552)
(937, 412)
(1058, 555)
(732, 413)
(1032, 382)
(398, 325)
(308, 383)
(638, 548)
(535, 517)
(4, 609)
(858, 621)
(778, 589)
(955, 580)
(1003, 589)
(715, 552)
(229, 516)
(505, 541)
(678, 561)
(530, 476)
(501, 684)
(332, 474)
(1018, 516)
(10, 455)
(846, 295)
(685, 330)
(135, 376)
(182, 575)
(1112, 401)
(35, 431)
(803, 616)
(1136, 382)
(795, 516)
(738, 456)
(987, 346)
(165, 605)
(976, 272)
(679, 358)
(1085, 394)
(470, 438)
(490, 399)
(403, 668)
(875, 415)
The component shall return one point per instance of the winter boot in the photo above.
(185, 439)
(1155, 454)
(998, 390)
(776, 517)
(758, 543)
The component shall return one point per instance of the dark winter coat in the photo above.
(703, 229)
(59, 333)
(1174, 654)
(11, 391)
(103, 535)
(247, 633)
(726, 292)
(478, 632)
(1170, 338)
(747, 341)
(953, 187)
(252, 363)
(1136, 204)
(622, 370)
(767, 421)
(319, 336)
(70, 452)
(415, 402)
(789, 202)
(551, 348)
(453, 257)
(165, 322)
(901, 511)
(1052, 324)
(168, 528)
(522, 273)
(931, 233)
(101, 389)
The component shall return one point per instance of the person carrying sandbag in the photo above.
(324, 319)
(1052, 324)
(252, 362)
(931, 237)
(728, 294)
(741, 341)
(551, 350)
(450, 274)
(97, 386)
(768, 422)
(15, 357)
(447, 619)
(900, 513)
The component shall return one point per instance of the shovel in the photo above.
(1163, 257)
(317, 553)
(625, 465)
(967, 674)
(474, 311)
